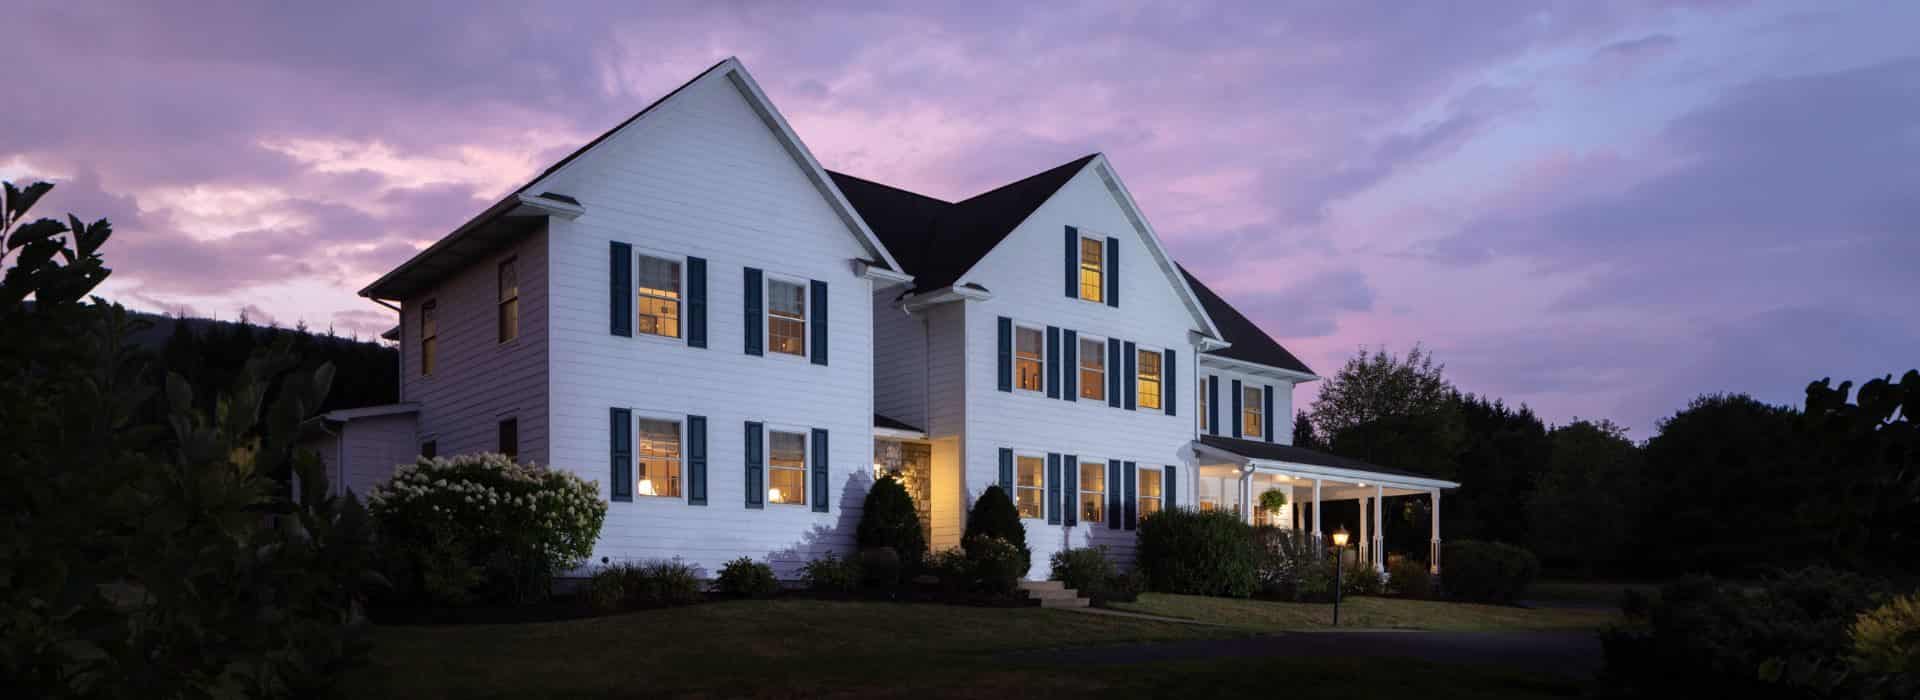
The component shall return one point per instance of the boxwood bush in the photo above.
(888, 519)
(1488, 572)
(994, 517)
(746, 578)
(831, 573)
(1197, 552)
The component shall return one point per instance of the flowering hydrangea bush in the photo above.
(481, 528)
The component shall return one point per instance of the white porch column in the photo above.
(1379, 528)
(1365, 545)
(1316, 515)
(1433, 556)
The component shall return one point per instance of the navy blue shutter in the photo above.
(1266, 413)
(1113, 272)
(697, 460)
(1069, 364)
(1054, 504)
(820, 470)
(620, 272)
(1236, 408)
(697, 302)
(756, 466)
(1070, 489)
(1113, 494)
(756, 322)
(818, 324)
(1130, 503)
(1053, 362)
(1170, 381)
(620, 437)
(1129, 353)
(1006, 471)
(1113, 373)
(1213, 405)
(1170, 487)
(1006, 354)
(1073, 263)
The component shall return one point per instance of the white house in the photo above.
(734, 341)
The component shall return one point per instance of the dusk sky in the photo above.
(1596, 209)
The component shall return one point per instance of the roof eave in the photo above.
(1240, 365)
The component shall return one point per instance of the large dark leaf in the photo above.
(39, 230)
(20, 200)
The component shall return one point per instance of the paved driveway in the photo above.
(1575, 654)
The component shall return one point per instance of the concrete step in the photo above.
(1042, 585)
(1052, 593)
(1074, 602)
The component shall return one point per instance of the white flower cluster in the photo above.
(488, 494)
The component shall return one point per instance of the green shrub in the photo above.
(997, 565)
(1409, 577)
(630, 586)
(1280, 555)
(953, 569)
(880, 567)
(994, 516)
(1491, 572)
(888, 519)
(1887, 639)
(1360, 578)
(747, 578)
(606, 590)
(1085, 569)
(1197, 552)
(831, 573)
(481, 528)
(1123, 588)
(1314, 582)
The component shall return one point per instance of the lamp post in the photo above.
(1339, 542)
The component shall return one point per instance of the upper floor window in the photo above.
(1147, 367)
(659, 458)
(429, 334)
(509, 301)
(1093, 490)
(1203, 403)
(1151, 492)
(1029, 486)
(1252, 411)
(787, 317)
(1027, 365)
(1093, 369)
(786, 467)
(1092, 269)
(658, 281)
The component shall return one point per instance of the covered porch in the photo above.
(1236, 474)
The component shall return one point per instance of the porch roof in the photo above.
(1302, 459)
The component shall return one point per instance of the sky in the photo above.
(1599, 210)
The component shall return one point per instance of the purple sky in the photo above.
(1598, 209)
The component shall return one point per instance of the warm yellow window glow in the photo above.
(1150, 490)
(659, 458)
(1027, 344)
(1252, 411)
(786, 317)
(429, 334)
(508, 316)
(1148, 369)
(1092, 270)
(1093, 370)
(1029, 486)
(659, 296)
(1093, 491)
(786, 468)
(1203, 402)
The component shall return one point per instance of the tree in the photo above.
(1303, 435)
(1870, 452)
(1582, 512)
(1391, 411)
(1724, 478)
(888, 519)
(1501, 453)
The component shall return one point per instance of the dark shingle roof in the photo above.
(1250, 344)
(938, 241)
(1299, 455)
(880, 421)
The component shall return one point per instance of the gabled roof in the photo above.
(1250, 344)
(938, 241)
(423, 264)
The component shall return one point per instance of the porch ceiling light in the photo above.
(1340, 537)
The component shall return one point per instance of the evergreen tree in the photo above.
(994, 515)
(888, 519)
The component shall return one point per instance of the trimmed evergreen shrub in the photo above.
(1197, 552)
(880, 567)
(997, 564)
(953, 568)
(995, 516)
(1489, 572)
(888, 519)
(1084, 569)
(746, 578)
(831, 573)
(1409, 577)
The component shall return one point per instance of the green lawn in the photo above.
(788, 648)
(1395, 613)
(1587, 592)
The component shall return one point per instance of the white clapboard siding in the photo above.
(373, 446)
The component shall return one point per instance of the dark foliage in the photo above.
(888, 519)
(1197, 552)
(831, 573)
(1721, 482)
(1869, 453)
(1488, 572)
(1585, 505)
(1084, 569)
(880, 567)
(994, 516)
(1409, 578)
(746, 578)
(1501, 453)
(632, 586)
(995, 564)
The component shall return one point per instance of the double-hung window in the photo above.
(1202, 381)
(1028, 344)
(786, 467)
(1093, 369)
(1029, 486)
(429, 334)
(1150, 490)
(658, 281)
(1147, 369)
(659, 458)
(1252, 411)
(787, 317)
(1093, 490)
(509, 302)
(1092, 269)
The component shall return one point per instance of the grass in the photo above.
(787, 648)
(1367, 612)
(1587, 592)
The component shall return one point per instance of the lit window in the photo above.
(429, 334)
(1093, 369)
(659, 296)
(509, 311)
(787, 468)
(1150, 491)
(1252, 410)
(1147, 368)
(786, 317)
(1092, 269)
(659, 458)
(1203, 403)
(1029, 488)
(1027, 344)
(1093, 491)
